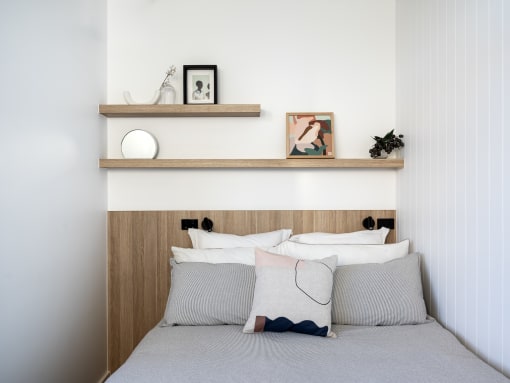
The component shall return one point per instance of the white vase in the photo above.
(382, 156)
(395, 154)
(168, 94)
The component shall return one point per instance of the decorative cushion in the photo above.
(363, 237)
(346, 254)
(292, 295)
(210, 294)
(202, 239)
(379, 294)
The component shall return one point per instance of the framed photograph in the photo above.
(200, 84)
(310, 135)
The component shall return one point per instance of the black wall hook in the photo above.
(368, 223)
(207, 224)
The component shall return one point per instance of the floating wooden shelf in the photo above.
(253, 163)
(223, 110)
(179, 110)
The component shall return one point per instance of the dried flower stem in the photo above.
(169, 73)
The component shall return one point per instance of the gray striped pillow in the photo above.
(379, 294)
(210, 294)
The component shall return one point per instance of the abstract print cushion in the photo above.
(292, 295)
(385, 294)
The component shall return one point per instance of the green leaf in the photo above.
(389, 135)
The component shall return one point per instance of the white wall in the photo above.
(53, 196)
(454, 193)
(322, 56)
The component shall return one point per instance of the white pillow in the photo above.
(364, 237)
(202, 239)
(245, 255)
(346, 254)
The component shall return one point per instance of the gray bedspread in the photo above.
(419, 353)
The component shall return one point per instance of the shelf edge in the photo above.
(361, 163)
(180, 110)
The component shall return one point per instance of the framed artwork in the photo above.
(310, 135)
(200, 84)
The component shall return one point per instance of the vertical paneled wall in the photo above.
(454, 193)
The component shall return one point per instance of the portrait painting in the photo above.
(310, 135)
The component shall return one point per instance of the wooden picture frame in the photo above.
(310, 135)
(200, 84)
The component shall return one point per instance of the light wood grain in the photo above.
(253, 163)
(179, 110)
(139, 250)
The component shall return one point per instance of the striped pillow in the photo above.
(367, 294)
(204, 294)
(384, 294)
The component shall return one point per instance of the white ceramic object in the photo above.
(129, 100)
(139, 144)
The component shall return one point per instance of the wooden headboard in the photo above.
(139, 249)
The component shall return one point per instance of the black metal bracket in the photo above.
(368, 223)
(207, 224)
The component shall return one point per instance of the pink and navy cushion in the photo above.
(292, 295)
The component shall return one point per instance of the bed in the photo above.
(419, 353)
(328, 302)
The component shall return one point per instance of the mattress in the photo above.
(410, 353)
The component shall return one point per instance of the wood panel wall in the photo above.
(139, 250)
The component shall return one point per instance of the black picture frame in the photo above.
(200, 84)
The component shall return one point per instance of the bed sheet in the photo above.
(417, 353)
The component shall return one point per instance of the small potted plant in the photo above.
(385, 145)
